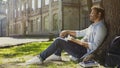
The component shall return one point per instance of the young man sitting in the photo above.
(93, 37)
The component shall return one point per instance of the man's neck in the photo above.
(97, 20)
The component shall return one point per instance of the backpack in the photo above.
(113, 53)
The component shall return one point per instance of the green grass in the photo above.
(26, 49)
(29, 50)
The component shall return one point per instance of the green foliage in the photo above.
(27, 49)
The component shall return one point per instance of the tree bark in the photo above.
(112, 20)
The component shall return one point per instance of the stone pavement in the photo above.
(10, 41)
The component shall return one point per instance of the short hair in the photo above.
(99, 10)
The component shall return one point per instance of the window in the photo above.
(46, 23)
(39, 24)
(6, 11)
(39, 3)
(55, 0)
(33, 4)
(35, 25)
(46, 2)
(18, 12)
(55, 22)
(22, 7)
(31, 26)
(26, 6)
(15, 13)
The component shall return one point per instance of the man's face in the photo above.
(94, 15)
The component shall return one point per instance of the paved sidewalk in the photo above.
(9, 41)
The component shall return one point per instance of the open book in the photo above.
(68, 38)
(89, 63)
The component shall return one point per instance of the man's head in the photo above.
(97, 13)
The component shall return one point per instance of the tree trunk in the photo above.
(112, 20)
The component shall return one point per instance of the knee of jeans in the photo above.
(59, 39)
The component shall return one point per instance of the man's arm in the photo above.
(98, 39)
(82, 43)
(67, 32)
(73, 33)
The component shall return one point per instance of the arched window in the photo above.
(46, 23)
(31, 25)
(55, 22)
(39, 24)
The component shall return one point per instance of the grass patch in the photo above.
(26, 49)
(30, 49)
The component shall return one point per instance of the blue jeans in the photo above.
(60, 44)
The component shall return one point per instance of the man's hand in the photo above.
(63, 34)
(70, 38)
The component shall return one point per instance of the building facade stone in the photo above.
(42, 17)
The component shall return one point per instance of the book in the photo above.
(68, 38)
(89, 63)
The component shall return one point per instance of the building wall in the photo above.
(3, 7)
(3, 18)
(71, 14)
(76, 14)
(84, 15)
(30, 17)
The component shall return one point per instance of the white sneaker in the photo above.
(73, 58)
(54, 58)
(34, 60)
